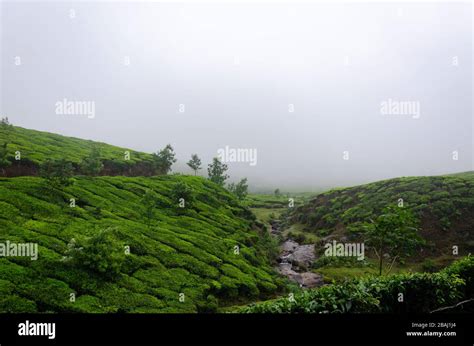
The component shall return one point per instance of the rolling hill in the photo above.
(443, 204)
(189, 252)
(122, 244)
(35, 147)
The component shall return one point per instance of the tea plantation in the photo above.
(36, 147)
(103, 247)
(443, 204)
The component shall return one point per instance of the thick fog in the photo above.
(313, 95)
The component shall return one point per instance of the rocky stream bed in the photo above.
(294, 261)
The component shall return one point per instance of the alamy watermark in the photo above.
(9, 249)
(345, 250)
(68, 107)
(394, 107)
(37, 329)
(228, 154)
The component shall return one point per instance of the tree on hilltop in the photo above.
(217, 171)
(164, 159)
(194, 163)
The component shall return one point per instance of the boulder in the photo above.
(303, 255)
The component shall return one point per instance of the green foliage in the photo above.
(194, 163)
(240, 189)
(422, 293)
(339, 261)
(57, 173)
(4, 162)
(393, 232)
(464, 268)
(442, 204)
(182, 196)
(92, 165)
(268, 201)
(216, 172)
(100, 254)
(174, 253)
(5, 123)
(164, 159)
(277, 192)
(149, 204)
(36, 147)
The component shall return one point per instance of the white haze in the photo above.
(237, 68)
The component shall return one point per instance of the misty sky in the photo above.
(239, 69)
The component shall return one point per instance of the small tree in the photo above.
(92, 165)
(216, 171)
(57, 172)
(149, 203)
(4, 162)
(182, 196)
(164, 159)
(194, 163)
(5, 123)
(394, 233)
(240, 189)
(277, 192)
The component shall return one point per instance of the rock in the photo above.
(296, 256)
(306, 279)
(288, 247)
(303, 255)
(285, 269)
(310, 280)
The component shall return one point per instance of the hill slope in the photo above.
(36, 147)
(444, 205)
(190, 252)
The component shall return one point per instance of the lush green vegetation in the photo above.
(186, 244)
(443, 205)
(210, 251)
(394, 233)
(270, 207)
(401, 293)
(37, 147)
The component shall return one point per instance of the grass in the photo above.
(343, 273)
(265, 215)
(299, 233)
(268, 207)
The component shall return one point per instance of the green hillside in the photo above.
(36, 147)
(190, 251)
(443, 204)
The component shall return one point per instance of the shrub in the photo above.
(182, 196)
(464, 268)
(57, 173)
(92, 165)
(422, 293)
(99, 254)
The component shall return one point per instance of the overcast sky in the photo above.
(302, 84)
